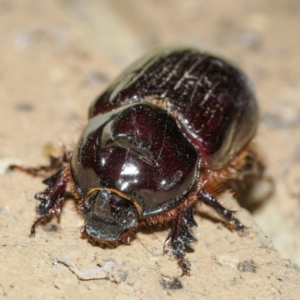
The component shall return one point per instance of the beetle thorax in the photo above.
(139, 151)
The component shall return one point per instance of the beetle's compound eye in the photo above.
(107, 215)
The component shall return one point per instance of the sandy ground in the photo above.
(56, 57)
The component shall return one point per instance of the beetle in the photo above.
(175, 128)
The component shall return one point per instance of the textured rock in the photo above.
(56, 57)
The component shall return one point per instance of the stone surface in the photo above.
(56, 57)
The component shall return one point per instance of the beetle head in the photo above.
(107, 215)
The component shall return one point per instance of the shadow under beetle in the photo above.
(174, 128)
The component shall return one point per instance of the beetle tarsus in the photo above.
(37, 222)
(38, 170)
(180, 236)
(228, 215)
(184, 264)
(56, 163)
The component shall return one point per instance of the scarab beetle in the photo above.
(174, 128)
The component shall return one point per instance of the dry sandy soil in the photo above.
(56, 57)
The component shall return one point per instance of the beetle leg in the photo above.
(51, 198)
(179, 236)
(228, 215)
(56, 163)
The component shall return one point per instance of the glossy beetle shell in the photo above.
(174, 128)
(212, 101)
(170, 115)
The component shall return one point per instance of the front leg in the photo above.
(180, 236)
(56, 163)
(53, 196)
(51, 199)
(228, 215)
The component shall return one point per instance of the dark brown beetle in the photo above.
(174, 128)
